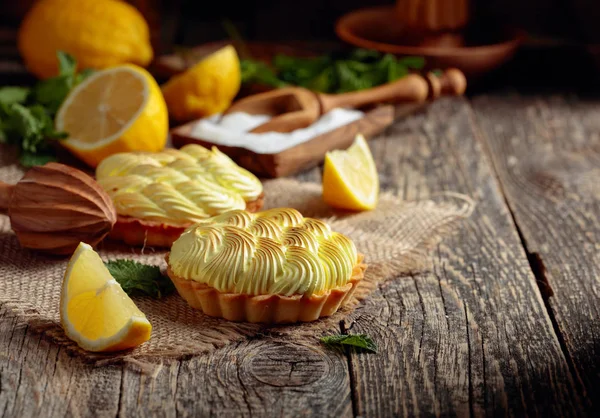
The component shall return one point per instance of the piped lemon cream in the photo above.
(274, 252)
(176, 186)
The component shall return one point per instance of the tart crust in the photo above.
(269, 309)
(138, 232)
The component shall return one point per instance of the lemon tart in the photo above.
(274, 266)
(158, 195)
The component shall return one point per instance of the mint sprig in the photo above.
(361, 69)
(139, 279)
(27, 114)
(357, 341)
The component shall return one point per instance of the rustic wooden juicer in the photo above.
(433, 23)
(54, 207)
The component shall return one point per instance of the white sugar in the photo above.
(232, 130)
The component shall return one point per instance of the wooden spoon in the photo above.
(294, 108)
(54, 207)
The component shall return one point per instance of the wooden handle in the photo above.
(452, 82)
(412, 88)
(5, 195)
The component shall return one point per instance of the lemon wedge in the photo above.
(115, 110)
(95, 312)
(350, 179)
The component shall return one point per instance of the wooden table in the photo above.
(507, 322)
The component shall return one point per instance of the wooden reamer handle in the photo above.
(412, 88)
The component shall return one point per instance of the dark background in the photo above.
(200, 21)
(560, 51)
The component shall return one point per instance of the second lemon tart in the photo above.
(158, 195)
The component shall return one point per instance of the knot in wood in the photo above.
(288, 365)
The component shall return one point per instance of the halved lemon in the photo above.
(206, 88)
(350, 179)
(115, 110)
(95, 312)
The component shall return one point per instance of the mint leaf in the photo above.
(28, 159)
(396, 71)
(358, 341)
(138, 279)
(347, 79)
(27, 115)
(66, 64)
(47, 124)
(358, 70)
(437, 72)
(10, 95)
(259, 72)
(25, 124)
(323, 82)
(51, 92)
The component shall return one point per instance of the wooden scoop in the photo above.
(293, 108)
(54, 207)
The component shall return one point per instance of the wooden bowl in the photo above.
(378, 28)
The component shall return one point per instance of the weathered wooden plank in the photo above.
(37, 379)
(472, 335)
(469, 337)
(265, 377)
(149, 394)
(548, 161)
(262, 377)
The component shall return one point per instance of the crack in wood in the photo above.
(53, 370)
(245, 393)
(501, 167)
(353, 383)
(538, 269)
(485, 383)
(121, 391)
(437, 276)
(470, 368)
(424, 317)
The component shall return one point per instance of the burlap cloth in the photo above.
(394, 238)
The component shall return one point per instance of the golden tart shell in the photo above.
(268, 309)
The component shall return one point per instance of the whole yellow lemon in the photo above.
(98, 33)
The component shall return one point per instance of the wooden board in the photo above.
(302, 156)
(548, 161)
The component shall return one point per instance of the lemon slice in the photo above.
(206, 88)
(95, 312)
(350, 178)
(115, 110)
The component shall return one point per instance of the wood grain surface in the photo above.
(471, 336)
(548, 161)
